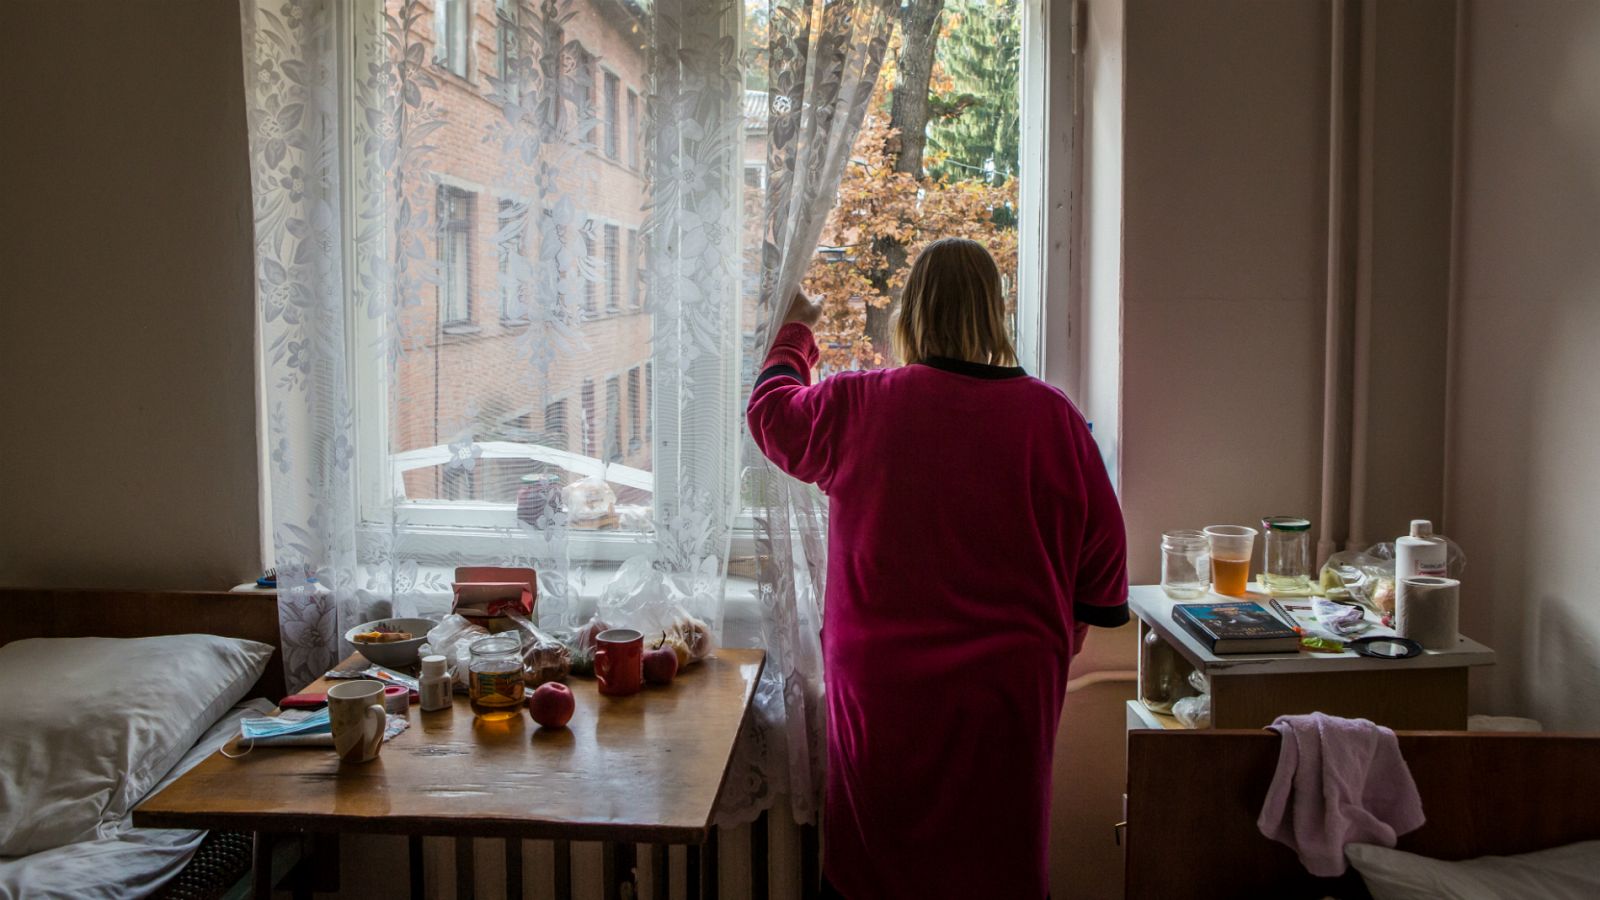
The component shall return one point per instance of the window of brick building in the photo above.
(455, 255)
(634, 271)
(505, 31)
(633, 128)
(508, 247)
(555, 425)
(591, 305)
(634, 400)
(612, 117)
(452, 22)
(614, 419)
(588, 425)
(613, 263)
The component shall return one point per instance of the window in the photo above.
(633, 408)
(613, 263)
(613, 138)
(755, 176)
(508, 246)
(555, 425)
(634, 271)
(633, 128)
(613, 419)
(576, 78)
(588, 417)
(649, 396)
(455, 256)
(452, 25)
(506, 42)
(591, 307)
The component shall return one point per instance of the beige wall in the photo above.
(128, 455)
(1224, 180)
(1523, 484)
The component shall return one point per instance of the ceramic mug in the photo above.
(619, 661)
(355, 709)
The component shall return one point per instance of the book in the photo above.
(1236, 626)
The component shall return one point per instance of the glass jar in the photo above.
(1287, 568)
(1185, 564)
(1163, 674)
(495, 680)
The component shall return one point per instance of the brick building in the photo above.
(465, 372)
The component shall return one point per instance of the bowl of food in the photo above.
(390, 642)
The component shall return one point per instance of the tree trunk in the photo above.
(908, 112)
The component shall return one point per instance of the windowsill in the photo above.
(515, 323)
(741, 615)
(461, 329)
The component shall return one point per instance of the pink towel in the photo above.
(1339, 781)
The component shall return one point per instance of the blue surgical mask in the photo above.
(288, 723)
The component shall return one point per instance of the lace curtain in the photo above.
(516, 261)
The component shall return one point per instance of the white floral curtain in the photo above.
(507, 316)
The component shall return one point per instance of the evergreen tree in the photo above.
(975, 122)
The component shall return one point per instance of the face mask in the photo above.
(292, 722)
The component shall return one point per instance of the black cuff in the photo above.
(777, 371)
(1101, 616)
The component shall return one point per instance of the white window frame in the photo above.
(1046, 331)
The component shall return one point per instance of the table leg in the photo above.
(610, 886)
(660, 873)
(691, 872)
(261, 866)
(711, 884)
(300, 875)
(414, 852)
(563, 870)
(466, 884)
(758, 858)
(810, 864)
(513, 868)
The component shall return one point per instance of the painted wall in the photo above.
(1523, 481)
(128, 455)
(1224, 221)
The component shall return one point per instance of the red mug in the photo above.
(619, 661)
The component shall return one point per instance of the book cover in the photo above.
(1236, 626)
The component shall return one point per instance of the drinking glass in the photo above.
(1185, 563)
(1231, 548)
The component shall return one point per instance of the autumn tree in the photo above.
(890, 206)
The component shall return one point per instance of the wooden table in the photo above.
(642, 769)
(1427, 692)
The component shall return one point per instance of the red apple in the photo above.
(552, 705)
(660, 665)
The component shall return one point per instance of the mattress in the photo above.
(135, 862)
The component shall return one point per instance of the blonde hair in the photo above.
(953, 306)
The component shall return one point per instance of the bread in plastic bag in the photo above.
(543, 657)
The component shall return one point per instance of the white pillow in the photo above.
(89, 725)
(1563, 873)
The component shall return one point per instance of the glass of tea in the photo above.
(1231, 547)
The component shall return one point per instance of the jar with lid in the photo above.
(1185, 564)
(1163, 674)
(1287, 571)
(495, 677)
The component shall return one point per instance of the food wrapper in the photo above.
(543, 657)
(488, 595)
(452, 639)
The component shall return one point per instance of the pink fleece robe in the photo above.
(972, 536)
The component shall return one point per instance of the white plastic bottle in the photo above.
(1421, 552)
(435, 685)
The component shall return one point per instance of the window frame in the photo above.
(445, 12)
(611, 113)
(466, 226)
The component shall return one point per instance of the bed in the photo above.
(124, 861)
(1193, 798)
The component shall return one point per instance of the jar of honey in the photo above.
(495, 677)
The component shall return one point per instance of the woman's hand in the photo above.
(803, 309)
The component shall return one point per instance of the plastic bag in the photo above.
(543, 657)
(1193, 712)
(641, 597)
(1358, 576)
(452, 639)
(591, 503)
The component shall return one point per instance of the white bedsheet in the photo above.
(135, 862)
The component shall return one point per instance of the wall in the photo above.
(1224, 223)
(1523, 481)
(128, 455)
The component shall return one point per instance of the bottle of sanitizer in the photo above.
(1421, 552)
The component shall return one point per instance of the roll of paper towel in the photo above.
(1427, 610)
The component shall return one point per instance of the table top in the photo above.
(646, 768)
(1151, 604)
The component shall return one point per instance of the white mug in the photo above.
(355, 709)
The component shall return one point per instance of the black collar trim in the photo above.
(975, 370)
